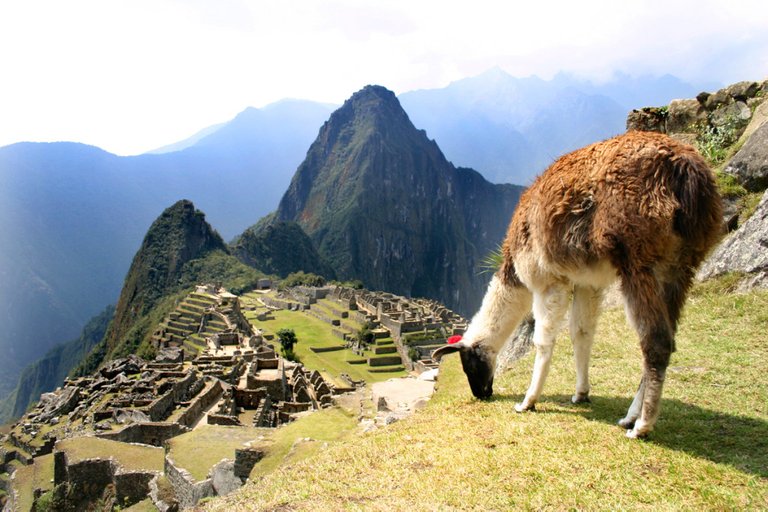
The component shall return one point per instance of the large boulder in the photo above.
(744, 251)
(683, 115)
(750, 164)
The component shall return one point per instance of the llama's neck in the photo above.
(503, 308)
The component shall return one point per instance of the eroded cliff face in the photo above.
(382, 204)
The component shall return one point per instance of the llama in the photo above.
(641, 208)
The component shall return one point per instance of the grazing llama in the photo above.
(640, 207)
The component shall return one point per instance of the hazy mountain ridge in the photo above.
(73, 215)
(48, 372)
(512, 128)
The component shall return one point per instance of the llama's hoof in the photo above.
(581, 398)
(525, 408)
(627, 423)
(636, 434)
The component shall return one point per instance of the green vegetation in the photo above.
(301, 279)
(36, 476)
(279, 248)
(287, 339)
(729, 186)
(199, 450)
(492, 261)
(715, 141)
(709, 451)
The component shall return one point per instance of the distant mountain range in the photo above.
(71, 215)
(510, 129)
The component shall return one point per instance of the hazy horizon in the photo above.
(133, 77)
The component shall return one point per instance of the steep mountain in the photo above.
(512, 128)
(178, 236)
(279, 248)
(47, 373)
(72, 216)
(382, 204)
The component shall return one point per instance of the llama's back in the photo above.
(635, 199)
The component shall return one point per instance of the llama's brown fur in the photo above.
(641, 207)
(641, 200)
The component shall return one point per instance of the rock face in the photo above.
(745, 251)
(750, 164)
(382, 204)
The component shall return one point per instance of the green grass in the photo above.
(132, 457)
(313, 332)
(36, 476)
(303, 438)
(198, 451)
(709, 450)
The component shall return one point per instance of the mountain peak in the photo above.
(180, 234)
(381, 204)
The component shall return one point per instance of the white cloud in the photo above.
(132, 75)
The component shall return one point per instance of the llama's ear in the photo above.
(447, 349)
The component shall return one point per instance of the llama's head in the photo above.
(479, 364)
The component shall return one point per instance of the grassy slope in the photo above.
(710, 449)
(199, 450)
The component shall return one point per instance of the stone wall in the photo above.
(188, 492)
(87, 479)
(154, 434)
(245, 459)
(202, 402)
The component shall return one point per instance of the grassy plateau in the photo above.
(709, 450)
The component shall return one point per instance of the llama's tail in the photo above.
(699, 218)
(517, 346)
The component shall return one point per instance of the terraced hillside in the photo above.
(199, 316)
(327, 330)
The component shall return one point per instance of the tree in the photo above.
(287, 339)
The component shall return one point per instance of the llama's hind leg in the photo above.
(635, 407)
(649, 314)
(549, 309)
(584, 312)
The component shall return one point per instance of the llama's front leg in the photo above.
(549, 311)
(584, 313)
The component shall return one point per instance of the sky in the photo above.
(130, 76)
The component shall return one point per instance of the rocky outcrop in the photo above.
(745, 251)
(723, 114)
(750, 164)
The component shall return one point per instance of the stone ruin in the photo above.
(238, 379)
(400, 316)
